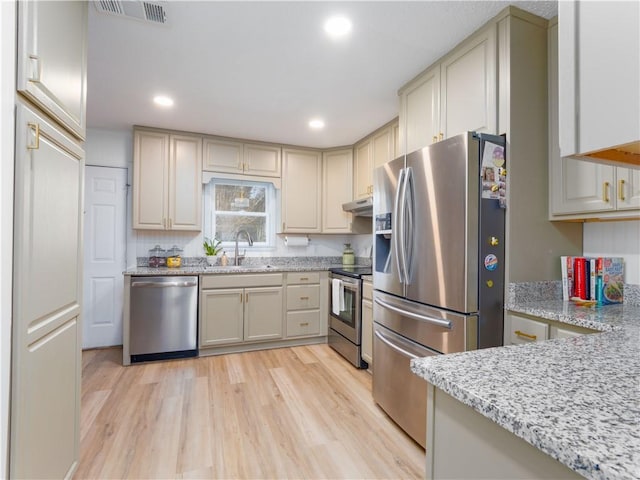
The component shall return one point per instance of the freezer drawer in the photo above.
(163, 317)
(400, 393)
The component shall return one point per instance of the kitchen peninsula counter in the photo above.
(577, 399)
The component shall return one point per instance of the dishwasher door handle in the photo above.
(164, 284)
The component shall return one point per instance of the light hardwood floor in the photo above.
(300, 412)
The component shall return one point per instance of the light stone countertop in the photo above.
(203, 270)
(576, 399)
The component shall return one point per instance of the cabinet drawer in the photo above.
(294, 278)
(302, 297)
(303, 323)
(225, 280)
(367, 291)
(524, 330)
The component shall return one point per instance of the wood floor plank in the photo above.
(301, 412)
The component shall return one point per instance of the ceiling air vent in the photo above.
(154, 12)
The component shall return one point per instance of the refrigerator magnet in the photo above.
(491, 262)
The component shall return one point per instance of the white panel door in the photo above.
(104, 255)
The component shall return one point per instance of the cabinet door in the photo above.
(468, 87)
(221, 316)
(262, 160)
(150, 173)
(420, 112)
(185, 183)
(367, 332)
(557, 332)
(581, 187)
(47, 280)
(525, 330)
(608, 59)
(52, 59)
(301, 193)
(263, 313)
(628, 188)
(382, 148)
(337, 188)
(363, 170)
(222, 156)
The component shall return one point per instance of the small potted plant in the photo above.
(211, 250)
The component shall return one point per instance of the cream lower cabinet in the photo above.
(240, 309)
(301, 191)
(167, 181)
(367, 323)
(456, 431)
(305, 300)
(525, 329)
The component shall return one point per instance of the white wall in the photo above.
(615, 239)
(114, 148)
(7, 121)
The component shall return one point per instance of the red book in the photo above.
(580, 278)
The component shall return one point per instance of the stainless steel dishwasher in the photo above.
(163, 318)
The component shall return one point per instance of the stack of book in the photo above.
(600, 279)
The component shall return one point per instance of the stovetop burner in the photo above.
(356, 271)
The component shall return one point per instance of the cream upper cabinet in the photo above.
(363, 170)
(262, 160)
(599, 74)
(383, 147)
(337, 184)
(580, 189)
(224, 156)
(453, 96)
(301, 191)
(468, 87)
(167, 181)
(420, 111)
(52, 60)
(228, 156)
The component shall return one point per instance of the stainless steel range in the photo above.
(345, 312)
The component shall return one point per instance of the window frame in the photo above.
(270, 213)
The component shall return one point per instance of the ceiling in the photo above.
(262, 70)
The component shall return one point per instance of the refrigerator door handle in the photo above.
(416, 316)
(398, 237)
(402, 216)
(388, 343)
(408, 230)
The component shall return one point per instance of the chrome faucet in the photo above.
(237, 257)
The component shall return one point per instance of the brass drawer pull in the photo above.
(304, 298)
(525, 335)
(304, 324)
(304, 279)
(605, 192)
(621, 190)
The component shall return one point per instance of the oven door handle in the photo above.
(416, 316)
(388, 343)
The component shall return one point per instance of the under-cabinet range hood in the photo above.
(362, 207)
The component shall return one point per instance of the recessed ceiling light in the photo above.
(163, 101)
(337, 26)
(316, 124)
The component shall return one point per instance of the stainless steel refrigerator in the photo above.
(438, 272)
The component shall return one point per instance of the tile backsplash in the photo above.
(191, 244)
